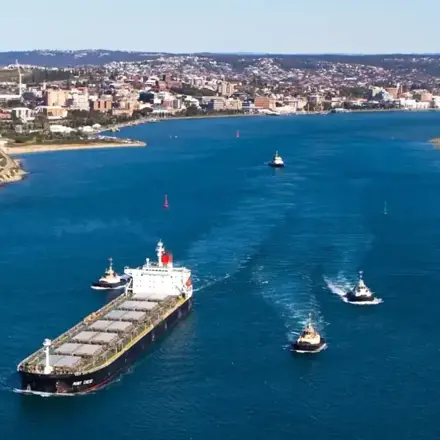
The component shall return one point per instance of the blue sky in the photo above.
(282, 26)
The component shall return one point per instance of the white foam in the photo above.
(341, 286)
(322, 348)
(373, 302)
(44, 394)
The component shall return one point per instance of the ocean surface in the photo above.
(267, 247)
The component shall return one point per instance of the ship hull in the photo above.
(299, 347)
(351, 297)
(276, 165)
(103, 285)
(83, 383)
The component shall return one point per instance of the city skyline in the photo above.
(277, 27)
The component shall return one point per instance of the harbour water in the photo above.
(266, 248)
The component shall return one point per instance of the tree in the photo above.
(192, 110)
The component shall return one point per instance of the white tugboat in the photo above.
(310, 341)
(361, 294)
(111, 280)
(277, 161)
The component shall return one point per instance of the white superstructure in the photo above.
(361, 291)
(159, 279)
(277, 160)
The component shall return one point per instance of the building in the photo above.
(248, 106)
(79, 100)
(233, 104)
(55, 97)
(24, 114)
(51, 112)
(103, 104)
(225, 88)
(423, 96)
(393, 92)
(177, 104)
(264, 102)
(216, 104)
(55, 128)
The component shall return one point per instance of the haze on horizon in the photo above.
(230, 26)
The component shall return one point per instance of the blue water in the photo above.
(267, 247)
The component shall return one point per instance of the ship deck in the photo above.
(105, 334)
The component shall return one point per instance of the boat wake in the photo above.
(44, 394)
(341, 286)
(292, 298)
(203, 283)
(226, 249)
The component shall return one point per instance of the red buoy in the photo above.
(165, 203)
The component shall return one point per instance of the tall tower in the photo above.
(20, 76)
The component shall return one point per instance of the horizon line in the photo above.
(244, 53)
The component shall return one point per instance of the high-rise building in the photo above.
(225, 88)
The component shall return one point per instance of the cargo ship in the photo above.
(104, 344)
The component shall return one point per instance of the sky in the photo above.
(272, 26)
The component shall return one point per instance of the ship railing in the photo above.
(150, 321)
(39, 354)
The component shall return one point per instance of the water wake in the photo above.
(292, 297)
(226, 249)
(340, 286)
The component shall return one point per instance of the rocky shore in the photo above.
(10, 169)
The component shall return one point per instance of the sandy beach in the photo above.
(41, 148)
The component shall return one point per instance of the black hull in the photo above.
(274, 165)
(109, 286)
(83, 383)
(308, 348)
(359, 299)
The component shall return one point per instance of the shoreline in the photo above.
(153, 120)
(12, 170)
(45, 148)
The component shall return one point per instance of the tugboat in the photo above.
(310, 340)
(277, 161)
(111, 280)
(360, 294)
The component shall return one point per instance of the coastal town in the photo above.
(46, 107)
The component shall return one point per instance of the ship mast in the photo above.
(160, 251)
(47, 368)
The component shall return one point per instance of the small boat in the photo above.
(165, 203)
(310, 341)
(360, 294)
(277, 161)
(111, 280)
